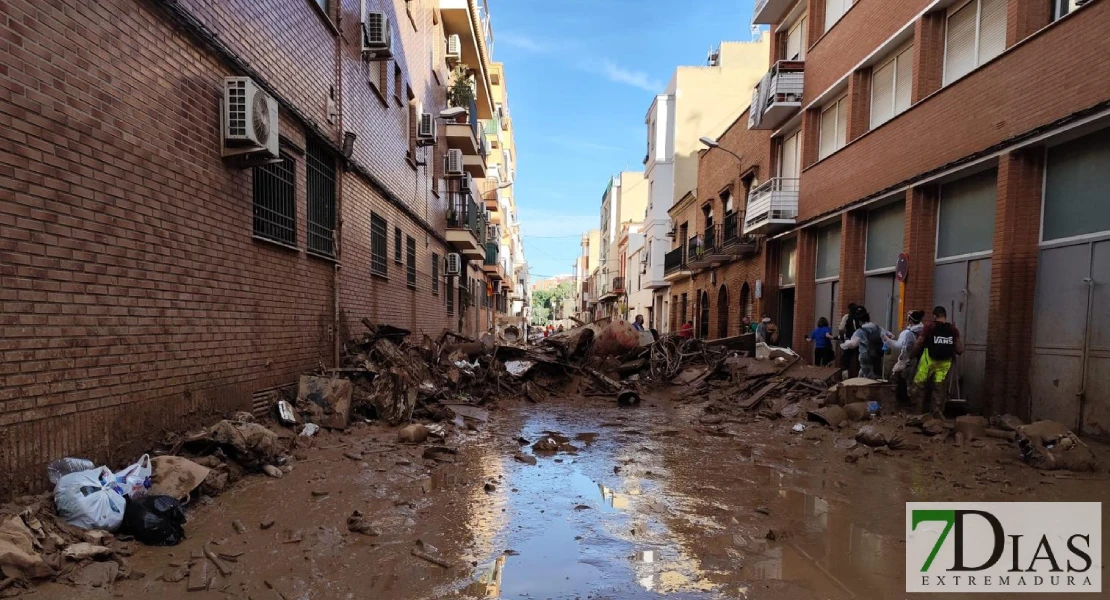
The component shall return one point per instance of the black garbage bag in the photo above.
(155, 520)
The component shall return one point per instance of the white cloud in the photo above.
(618, 74)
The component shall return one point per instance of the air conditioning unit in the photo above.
(454, 47)
(426, 131)
(454, 163)
(454, 263)
(249, 122)
(466, 184)
(377, 36)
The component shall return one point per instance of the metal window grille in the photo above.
(410, 257)
(450, 294)
(378, 251)
(275, 202)
(397, 244)
(435, 274)
(320, 180)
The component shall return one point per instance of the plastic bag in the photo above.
(86, 499)
(134, 481)
(64, 466)
(155, 520)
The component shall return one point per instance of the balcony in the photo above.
(467, 134)
(492, 266)
(466, 225)
(492, 128)
(469, 19)
(778, 95)
(618, 285)
(772, 206)
(674, 264)
(735, 243)
(769, 12)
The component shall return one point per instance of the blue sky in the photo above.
(581, 76)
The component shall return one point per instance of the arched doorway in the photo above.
(746, 302)
(722, 312)
(703, 325)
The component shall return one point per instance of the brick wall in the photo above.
(133, 296)
(919, 241)
(1030, 85)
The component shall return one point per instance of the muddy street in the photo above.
(661, 500)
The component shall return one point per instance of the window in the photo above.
(377, 75)
(320, 184)
(1063, 8)
(398, 83)
(891, 87)
(834, 127)
(397, 244)
(796, 40)
(378, 230)
(275, 203)
(410, 257)
(435, 274)
(726, 200)
(450, 294)
(1077, 175)
(884, 236)
(976, 33)
(828, 252)
(413, 121)
(834, 9)
(790, 160)
(324, 6)
(965, 224)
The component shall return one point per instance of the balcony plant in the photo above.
(461, 91)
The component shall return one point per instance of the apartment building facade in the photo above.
(971, 139)
(624, 202)
(150, 281)
(698, 101)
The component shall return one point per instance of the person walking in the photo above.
(868, 338)
(822, 343)
(763, 331)
(849, 323)
(936, 347)
(687, 330)
(903, 347)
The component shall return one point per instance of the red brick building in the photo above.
(972, 136)
(146, 282)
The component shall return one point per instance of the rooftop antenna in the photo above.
(756, 31)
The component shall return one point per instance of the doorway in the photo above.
(703, 317)
(1070, 374)
(963, 288)
(722, 312)
(786, 318)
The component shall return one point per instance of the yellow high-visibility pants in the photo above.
(929, 369)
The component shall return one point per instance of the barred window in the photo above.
(321, 197)
(275, 201)
(397, 244)
(435, 274)
(450, 294)
(410, 258)
(377, 245)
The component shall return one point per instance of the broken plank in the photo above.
(755, 398)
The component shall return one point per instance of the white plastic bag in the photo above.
(86, 499)
(134, 481)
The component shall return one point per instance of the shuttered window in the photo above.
(795, 40)
(410, 261)
(378, 230)
(834, 127)
(320, 192)
(788, 165)
(275, 202)
(976, 33)
(834, 9)
(435, 274)
(891, 87)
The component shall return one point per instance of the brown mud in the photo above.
(657, 501)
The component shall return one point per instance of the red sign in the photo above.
(903, 268)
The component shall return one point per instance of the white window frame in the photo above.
(833, 105)
(797, 133)
(847, 6)
(958, 6)
(1063, 8)
(799, 25)
(907, 52)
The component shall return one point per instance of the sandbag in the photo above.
(155, 520)
(86, 499)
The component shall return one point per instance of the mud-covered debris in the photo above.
(845, 443)
(355, 455)
(357, 523)
(440, 453)
(223, 568)
(527, 459)
(413, 434)
(175, 574)
(292, 536)
(250, 444)
(84, 550)
(859, 411)
(272, 471)
(1007, 422)
(763, 510)
(489, 487)
(547, 445)
(833, 416)
(856, 453)
(628, 398)
(175, 476)
(325, 400)
(429, 553)
(1050, 445)
(265, 524)
(970, 427)
(798, 428)
(582, 507)
(238, 526)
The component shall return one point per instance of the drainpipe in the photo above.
(336, 235)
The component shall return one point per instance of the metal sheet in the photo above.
(1059, 324)
(824, 304)
(880, 297)
(1096, 397)
(963, 288)
(786, 318)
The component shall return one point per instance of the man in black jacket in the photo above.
(936, 347)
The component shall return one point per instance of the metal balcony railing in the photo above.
(694, 247)
(787, 77)
(674, 260)
(731, 230)
(710, 237)
(778, 95)
(775, 201)
(618, 284)
(492, 249)
(464, 213)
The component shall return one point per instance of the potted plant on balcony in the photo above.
(461, 92)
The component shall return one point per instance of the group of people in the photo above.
(918, 359)
(552, 330)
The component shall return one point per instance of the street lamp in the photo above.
(711, 143)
